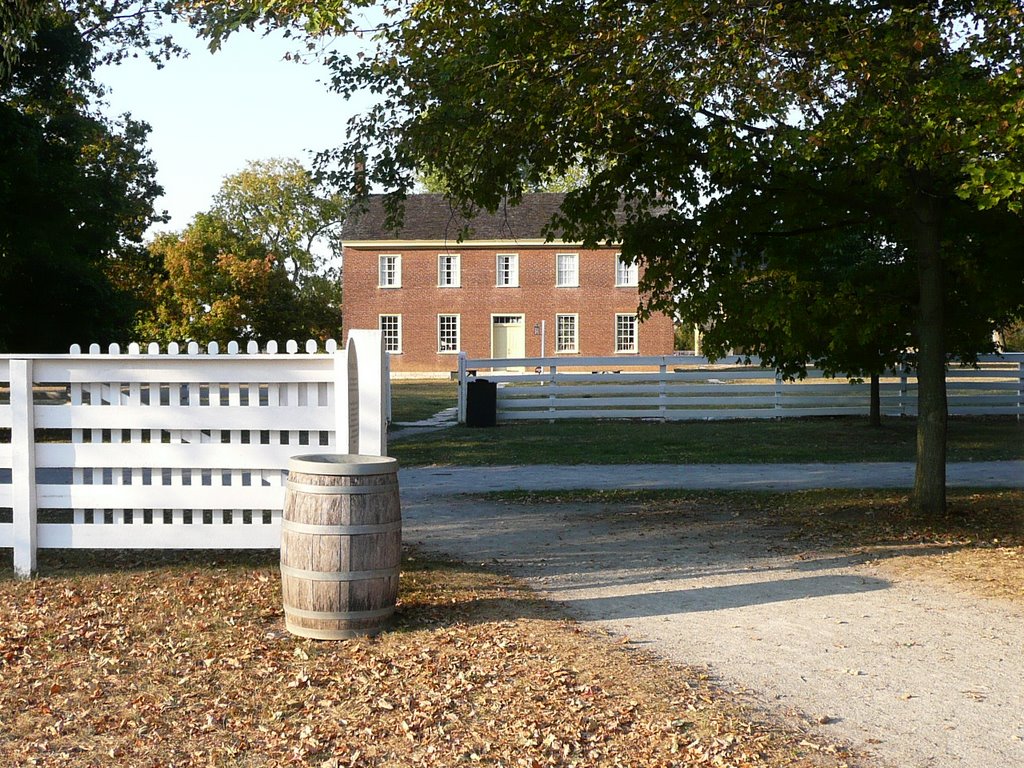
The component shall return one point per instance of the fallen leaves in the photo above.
(185, 664)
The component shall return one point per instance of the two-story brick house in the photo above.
(501, 292)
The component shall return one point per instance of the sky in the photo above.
(213, 113)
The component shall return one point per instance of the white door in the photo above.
(508, 336)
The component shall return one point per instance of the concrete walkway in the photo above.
(444, 481)
(913, 675)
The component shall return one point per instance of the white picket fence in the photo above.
(672, 388)
(182, 450)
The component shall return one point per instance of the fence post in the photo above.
(462, 388)
(904, 374)
(553, 391)
(344, 411)
(778, 392)
(23, 469)
(1020, 390)
(662, 394)
(372, 381)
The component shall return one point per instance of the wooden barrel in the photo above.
(341, 541)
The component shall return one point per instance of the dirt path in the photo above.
(915, 675)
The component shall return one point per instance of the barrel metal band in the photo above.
(379, 613)
(340, 530)
(382, 573)
(340, 490)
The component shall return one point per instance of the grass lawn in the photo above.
(418, 399)
(157, 659)
(705, 442)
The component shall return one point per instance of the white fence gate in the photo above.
(174, 451)
(676, 388)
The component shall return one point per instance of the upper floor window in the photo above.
(567, 270)
(389, 270)
(447, 333)
(626, 274)
(625, 333)
(391, 330)
(448, 271)
(507, 270)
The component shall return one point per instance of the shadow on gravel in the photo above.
(637, 605)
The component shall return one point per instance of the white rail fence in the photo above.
(183, 450)
(690, 388)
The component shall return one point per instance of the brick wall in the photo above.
(419, 300)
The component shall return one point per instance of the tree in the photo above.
(278, 203)
(250, 268)
(726, 126)
(76, 190)
(709, 131)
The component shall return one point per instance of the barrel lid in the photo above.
(342, 464)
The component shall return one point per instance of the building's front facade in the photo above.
(502, 292)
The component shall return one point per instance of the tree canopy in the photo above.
(76, 189)
(754, 147)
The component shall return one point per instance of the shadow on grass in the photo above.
(437, 591)
(63, 563)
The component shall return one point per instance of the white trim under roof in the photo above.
(454, 243)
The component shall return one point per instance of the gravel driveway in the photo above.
(909, 673)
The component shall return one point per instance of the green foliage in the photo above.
(76, 192)
(1013, 336)
(278, 203)
(249, 268)
(18, 21)
(839, 178)
(756, 147)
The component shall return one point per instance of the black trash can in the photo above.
(481, 403)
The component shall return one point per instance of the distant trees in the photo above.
(257, 265)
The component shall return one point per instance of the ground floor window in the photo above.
(391, 330)
(625, 333)
(447, 333)
(567, 333)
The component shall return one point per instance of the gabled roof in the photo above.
(432, 217)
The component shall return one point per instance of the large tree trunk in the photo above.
(930, 477)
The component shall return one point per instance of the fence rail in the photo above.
(183, 450)
(674, 388)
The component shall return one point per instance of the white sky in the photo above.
(212, 113)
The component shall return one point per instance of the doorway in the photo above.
(508, 336)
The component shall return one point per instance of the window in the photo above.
(625, 274)
(567, 333)
(567, 270)
(447, 333)
(390, 271)
(448, 274)
(625, 333)
(508, 270)
(391, 329)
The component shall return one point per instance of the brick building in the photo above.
(501, 292)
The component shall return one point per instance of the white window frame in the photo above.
(511, 274)
(626, 275)
(389, 278)
(567, 278)
(458, 334)
(384, 333)
(575, 334)
(453, 274)
(634, 323)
